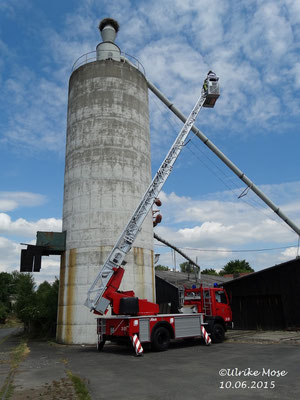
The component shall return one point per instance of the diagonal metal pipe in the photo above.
(225, 159)
(176, 249)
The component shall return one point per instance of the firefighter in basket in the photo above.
(210, 74)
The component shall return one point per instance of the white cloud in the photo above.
(37, 113)
(26, 232)
(270, 30)
(7, 205)
(234, 41)
(223, 224)
(10, 261)
(287, 254)
(10, 254)
(49, 270)
(11, 200)
(252, 45)
(21, 227)
(9, 7)
(296, 72)
(293, 9)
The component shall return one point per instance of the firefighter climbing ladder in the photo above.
(94, 300)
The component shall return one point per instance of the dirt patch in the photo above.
(56, 390)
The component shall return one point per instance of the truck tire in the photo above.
(160, 339)
(217, 333)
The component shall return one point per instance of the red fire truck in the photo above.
(205, 311)
(139, 319)
(214, 304)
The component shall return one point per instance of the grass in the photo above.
(79, 387)
(11, 322)
(7, 390)
(17, 355)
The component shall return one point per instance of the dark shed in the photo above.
(267, 299)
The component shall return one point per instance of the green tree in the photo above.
(26, 305)
(209, 271)
(47, 302)
(37, 309)
(188, 267)
(6, 281)
(161, 268)
(6, 291)
(3, 313)
(235, 267)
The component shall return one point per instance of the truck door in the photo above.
(222, 307)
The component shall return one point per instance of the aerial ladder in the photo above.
(250, 185)
(210, 102)
(104, 290)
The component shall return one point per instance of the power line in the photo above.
(232, 251)
(252, 202)
(261, 208)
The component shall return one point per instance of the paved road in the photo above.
(8, 332)
(8, 342)
(184, 372)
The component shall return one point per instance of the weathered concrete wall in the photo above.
(107, 171)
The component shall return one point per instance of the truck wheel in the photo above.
(160, 339)
(218, 333)
(100, 345)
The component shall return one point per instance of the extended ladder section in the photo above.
(95, 300)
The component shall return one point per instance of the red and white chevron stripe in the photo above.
(137, 345)
(205, 335)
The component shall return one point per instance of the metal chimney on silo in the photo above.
(107, 170)
(108, 49)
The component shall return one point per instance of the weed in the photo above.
(17, 355)
(79, 387)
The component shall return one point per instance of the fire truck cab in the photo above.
(214, 304)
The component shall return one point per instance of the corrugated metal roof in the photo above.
(177, 278)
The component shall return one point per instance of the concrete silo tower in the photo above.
(107, 171)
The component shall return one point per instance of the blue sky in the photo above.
(252, 45)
